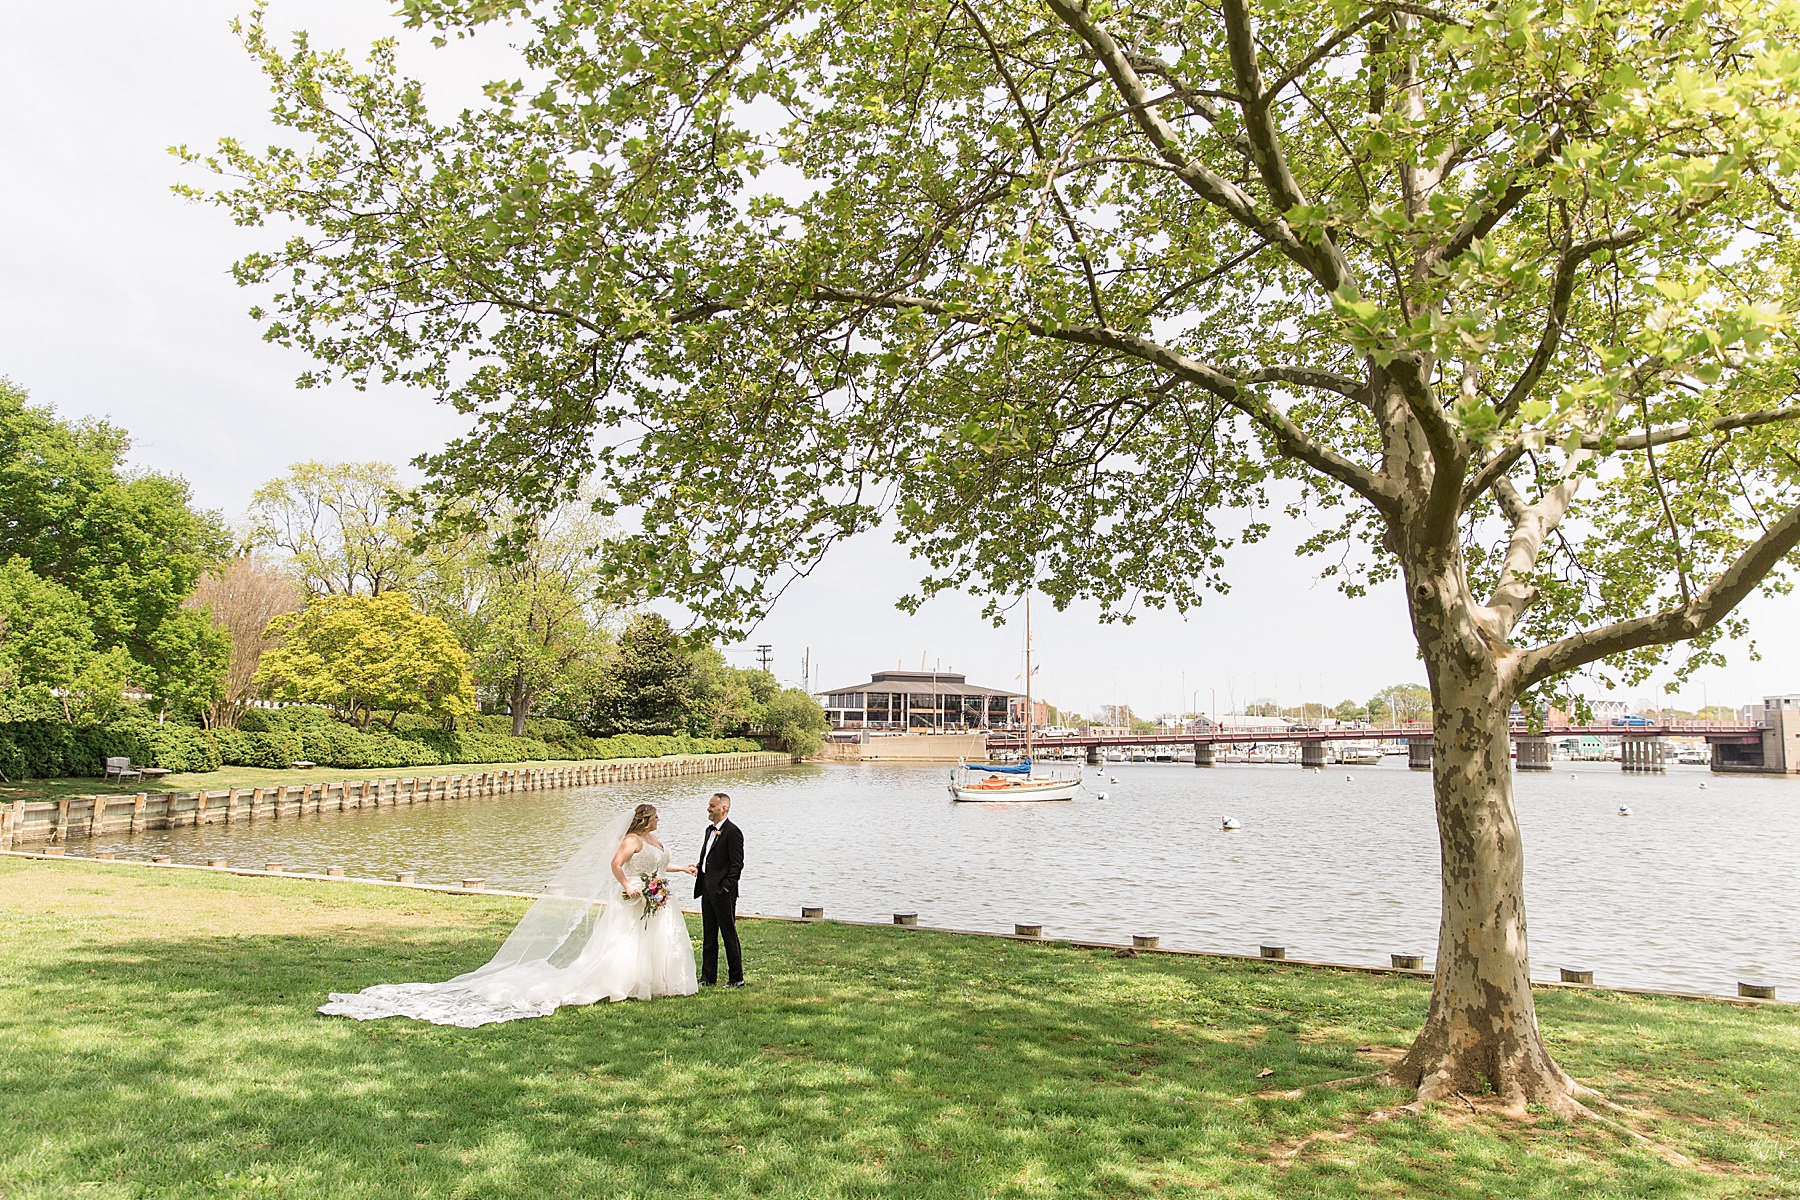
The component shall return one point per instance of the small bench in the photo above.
(121, 768)
(302, 765)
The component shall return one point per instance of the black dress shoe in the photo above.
(735, 983)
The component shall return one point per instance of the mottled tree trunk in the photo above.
(520, 703)
(1481, 1032)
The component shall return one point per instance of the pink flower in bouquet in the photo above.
(656, 894)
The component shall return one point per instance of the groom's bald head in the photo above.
(718, 806)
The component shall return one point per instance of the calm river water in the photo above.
(1694, 891)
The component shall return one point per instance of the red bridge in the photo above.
(1734, 747)
(1389, 733)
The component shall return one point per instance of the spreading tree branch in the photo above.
(1691, 429)
(1235, 388)
(1208, 184)
(1685, 621)
(1532, 524)
(1332, 269)
(1497, 467)
(1481, 220)
(1563, 288)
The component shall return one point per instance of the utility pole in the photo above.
(937, 701)
(806, 672)
(764, 654)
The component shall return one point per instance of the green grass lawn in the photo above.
(158, 1038)
(226, 778)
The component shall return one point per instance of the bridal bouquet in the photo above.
(656, 894)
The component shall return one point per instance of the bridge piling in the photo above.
(1203, 754)
(1534, 753)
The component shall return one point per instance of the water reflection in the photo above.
(1339, 864)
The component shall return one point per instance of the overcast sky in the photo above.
(116, 301)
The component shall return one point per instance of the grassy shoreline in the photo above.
(157, 1038)
(226, 778)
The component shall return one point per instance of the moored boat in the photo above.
(982, 784)
(1358, 754)
(993, 784)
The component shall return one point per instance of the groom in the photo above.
(716, 884)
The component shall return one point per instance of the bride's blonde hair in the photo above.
(640, 820)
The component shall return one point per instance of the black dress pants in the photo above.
(718, 921)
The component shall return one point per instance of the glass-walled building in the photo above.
(920, 701)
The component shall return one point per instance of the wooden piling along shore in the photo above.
(29, 821)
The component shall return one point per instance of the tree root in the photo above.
(1571, 1101)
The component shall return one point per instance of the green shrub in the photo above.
(340, 745)
(180, 748)
(47, 749)
(274, 750)
(291, 718)
(480, 748)
(41, 749)
(656, 745)
(541, 729)
(545, 729)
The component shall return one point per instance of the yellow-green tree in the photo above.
(362, 655)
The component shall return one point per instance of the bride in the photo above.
(592, 936)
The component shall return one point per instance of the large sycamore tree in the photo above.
(1071, 292)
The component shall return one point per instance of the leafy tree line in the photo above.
(131, 621)
(443, 613)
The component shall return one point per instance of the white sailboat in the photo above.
(989, 784)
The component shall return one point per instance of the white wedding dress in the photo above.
(567, 950)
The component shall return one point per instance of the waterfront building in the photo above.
(918, 701)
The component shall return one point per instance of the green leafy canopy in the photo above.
(1501, 293)
(115, 552)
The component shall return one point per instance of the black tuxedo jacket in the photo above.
(720, 868)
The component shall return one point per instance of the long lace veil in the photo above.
(555, 929)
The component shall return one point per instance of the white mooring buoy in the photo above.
(1624, 811)
(1229, 823)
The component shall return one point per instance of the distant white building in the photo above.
(1236, 723)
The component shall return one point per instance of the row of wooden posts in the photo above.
(54, 821)
(1400, 962)
(1412, 964)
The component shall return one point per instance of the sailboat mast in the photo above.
(1028, 710)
